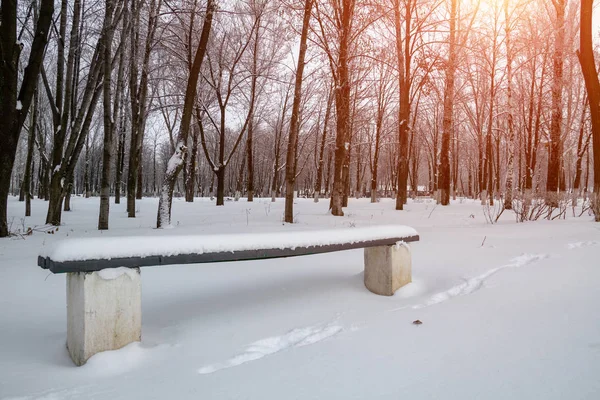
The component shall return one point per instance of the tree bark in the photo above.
(86, 173)
(250, 137)
(138, 92)
(592, 85)
(447, 124)
(177, 160)
(190, 184)
(510, 123)
(69, 118)
(277, 150)
(555, 154)
(120, 155)
(16, 101)
(403, 50)
(582, 147)
(342, 105)
(321, 161)
(30, 147)
(290, 171)
(109, 117)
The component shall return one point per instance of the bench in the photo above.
(104, 309)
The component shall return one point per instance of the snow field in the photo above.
(513, 318)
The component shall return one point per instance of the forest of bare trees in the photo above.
(491, 99)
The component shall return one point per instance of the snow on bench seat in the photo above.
(95, 254)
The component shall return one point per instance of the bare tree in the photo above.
(590, 74)
(292, 148)
(177, 160)
(16, 100)
(335, 36)
(138, 92)
(112, 16)
(552, 183)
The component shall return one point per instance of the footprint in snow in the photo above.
(578, 245)
(264, 347)
(474, 284)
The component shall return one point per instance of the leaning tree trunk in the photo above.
(177, 160)
(592, 85)
(290, 171)
(16, 101)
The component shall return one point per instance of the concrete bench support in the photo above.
(104, 311)
(387, 268)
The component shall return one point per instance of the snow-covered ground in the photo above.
(515, 318)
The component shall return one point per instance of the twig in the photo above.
(432, 210)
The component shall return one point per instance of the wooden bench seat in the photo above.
(103, 275)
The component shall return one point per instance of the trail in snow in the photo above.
(578, 245)
(473, 284)
(264, 347)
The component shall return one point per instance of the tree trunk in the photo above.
(138, 92)
(444, 178)
(109, 118)
(68, 191)
(290, 171)
(277, 149)
(86, 172)
(16, 101)
(510, 124)
(30, 146)
(320, 161)
(590, 74)
(177, 160)
(120, 157)
(342, 105)
(64, 158)
(328, 173)
(139, 189)
(190, 184)
(249, 157)
(555, 155)
(346, 169)
(221, 186)
(403, 51)
(582, 146)
(240, 180)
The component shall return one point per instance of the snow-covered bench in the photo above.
(104, 309)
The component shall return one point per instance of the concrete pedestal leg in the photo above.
(104, 311)
(387, 268)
